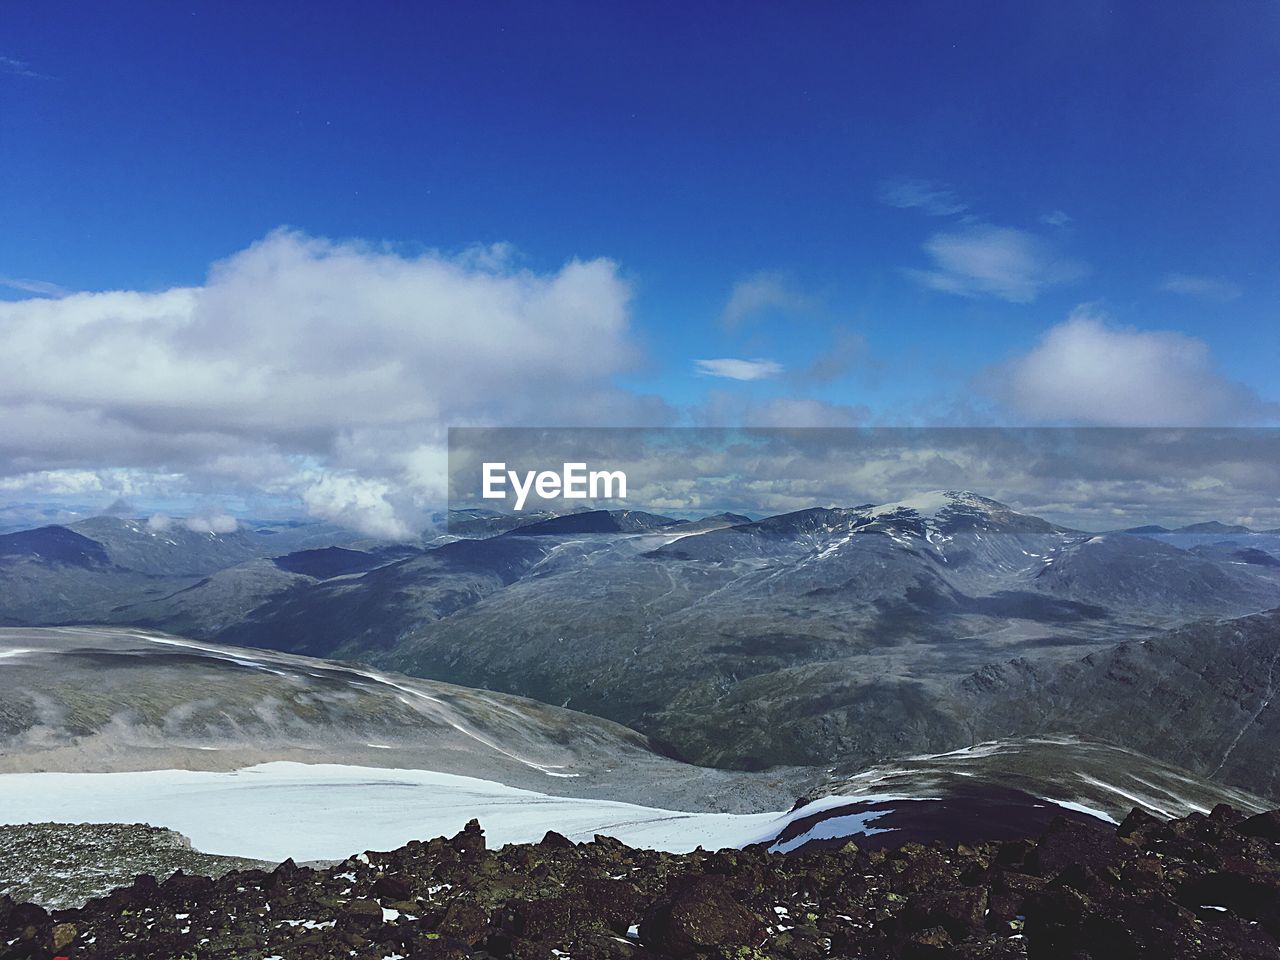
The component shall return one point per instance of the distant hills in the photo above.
(114, 570)
(1207, 528)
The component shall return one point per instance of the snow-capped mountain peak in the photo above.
(935, 503)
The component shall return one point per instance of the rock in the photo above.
(921, 868)
(1264, 825)
(1136, 823)
(436, 947)
(464, 922)
(1226, 814)
(702, 915)
(1143, 873)
(617, 903)
(550, 918)
(470, 840)
(63, 934)
(960, 912)
(559, 840)
(1014, 853)
(928, 945)
(27, 914)
(1250, 893)
(392, 888)
(1068, 841)
(361, 912)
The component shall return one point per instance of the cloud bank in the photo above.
(1086, 370)
(310, 369)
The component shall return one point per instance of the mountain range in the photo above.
(825, 636)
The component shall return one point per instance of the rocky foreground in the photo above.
(1200, 887)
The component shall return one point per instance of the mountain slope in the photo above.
(102, 699)
(1204, 696)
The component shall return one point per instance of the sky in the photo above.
(259, 257)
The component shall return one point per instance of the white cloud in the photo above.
(932, 198)
(42, 288)
(207, 521)
(734, 369)
(215, 521)
(757, 293)
(57, 483)
(301, 357)
(359, 502)
(160, 523)
(1085, 370)
(1055, 218)
(1206, 288)
(986, 260)
(18, 68)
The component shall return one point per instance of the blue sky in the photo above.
(892, 206)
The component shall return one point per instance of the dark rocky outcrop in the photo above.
(1205, 887)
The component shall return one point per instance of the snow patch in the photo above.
(324, 811)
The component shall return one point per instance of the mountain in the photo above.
(1201, 696)
(52, 545)
(249, 760)
(201, 608)
(1230, 544)
(114, 570)
(174, 549)
(751, 644)
(366, 615)
(1213, 528)
(1081, 772)
(1232, 551)
(760, 642)
(821, 636)
(474, 523)
(595, 521)
(1136, 573)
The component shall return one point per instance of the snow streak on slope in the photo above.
(1093, 777)
(410, 697)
